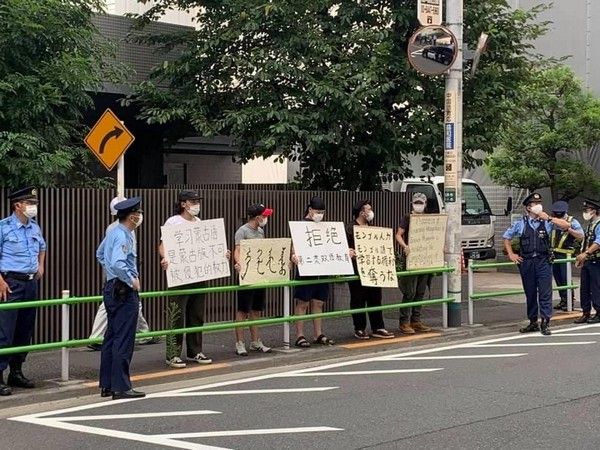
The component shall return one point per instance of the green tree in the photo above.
(327, 82)
(552, 120)
(51, 57)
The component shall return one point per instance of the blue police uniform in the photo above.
(20, 247)
(117, 255)
(536, 271)
(590, 272)
(563, 247)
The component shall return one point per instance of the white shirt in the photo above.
(179, 220)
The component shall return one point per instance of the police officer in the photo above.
(117, 255)
(22, 259)
(534, 260)
(563, 247)
(589, 262)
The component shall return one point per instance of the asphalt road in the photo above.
(508, 392)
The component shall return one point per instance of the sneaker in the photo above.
(594, 319)
(382, 334)
(240, 349)
(176, 363)
(200, 358)
(545, 327)
(406, 329)
(361, 334)
(420, 327)
(258, 346)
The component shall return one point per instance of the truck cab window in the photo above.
(433, 206)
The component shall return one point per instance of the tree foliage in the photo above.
(327, 82)
(552, 118)
(51, 57)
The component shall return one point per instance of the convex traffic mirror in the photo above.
(432, 50)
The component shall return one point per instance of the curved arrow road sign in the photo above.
(109, 139)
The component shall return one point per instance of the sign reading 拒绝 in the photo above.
(264, 260)
(375, 257)
(427, 237)
(195, 251)
(321, 248)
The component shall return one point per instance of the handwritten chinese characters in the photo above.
(321, 248)
(264, 260)
(427, 236)
(195, 251)
(375, 257)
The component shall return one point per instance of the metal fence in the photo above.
(73, 223)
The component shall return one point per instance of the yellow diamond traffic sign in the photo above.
(109, 139)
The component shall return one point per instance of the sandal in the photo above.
(324, 340)
(302, 342)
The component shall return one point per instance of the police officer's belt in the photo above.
(566, 251)
(19, 276)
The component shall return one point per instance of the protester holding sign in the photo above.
(251, 303)
(361, 296)
(413, 287)
(314, 295)
(185, 310)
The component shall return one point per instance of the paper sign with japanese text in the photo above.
(264, 260)
(375, 256)
(427, 236)
(321, 248)
(195, 251)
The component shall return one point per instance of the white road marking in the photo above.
(149, 439)
(356, 372)
(570, 334)
(39, 419)
(228, 433)
(138, 415)
(534, 344)
(436, 358)
(245, 392)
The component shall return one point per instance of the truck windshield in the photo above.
(474, 201)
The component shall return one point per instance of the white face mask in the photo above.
(370, 216)
(139, 221)
(537, 208)
(317, 217)
(587, 216)
(262, 222)
(30, 211)
(194, 210)
(418, 208)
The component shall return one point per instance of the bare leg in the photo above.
(300, 310)
(254, 315)
(317, 308)
(239, 332)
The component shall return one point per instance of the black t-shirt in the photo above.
(405, 224)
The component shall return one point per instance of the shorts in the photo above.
(312, 292)
(251, 300)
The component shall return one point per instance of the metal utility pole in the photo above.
(453, 167)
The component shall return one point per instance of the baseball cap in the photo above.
(258, 209)
(419, 197)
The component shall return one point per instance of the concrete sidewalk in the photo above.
(149, 360)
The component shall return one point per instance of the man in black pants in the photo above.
(361, 296)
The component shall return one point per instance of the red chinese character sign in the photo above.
(264, 260)
(321, 248)
(196, 251)
(375, 256)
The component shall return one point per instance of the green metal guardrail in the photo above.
(66, 343)
(473, 267)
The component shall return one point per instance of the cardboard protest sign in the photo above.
(195, 251)
(264, 260)
(427, 236)
(375, 257)
(321, 248)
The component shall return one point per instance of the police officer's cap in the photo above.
(560, 207)
(593, 204)
(128, 206)
(258, 209)
(358, 206)
(29, 193)
(533, 197)
(188, 195)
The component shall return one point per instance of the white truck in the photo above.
(477, 238)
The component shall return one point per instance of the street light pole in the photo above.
(453, 161)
